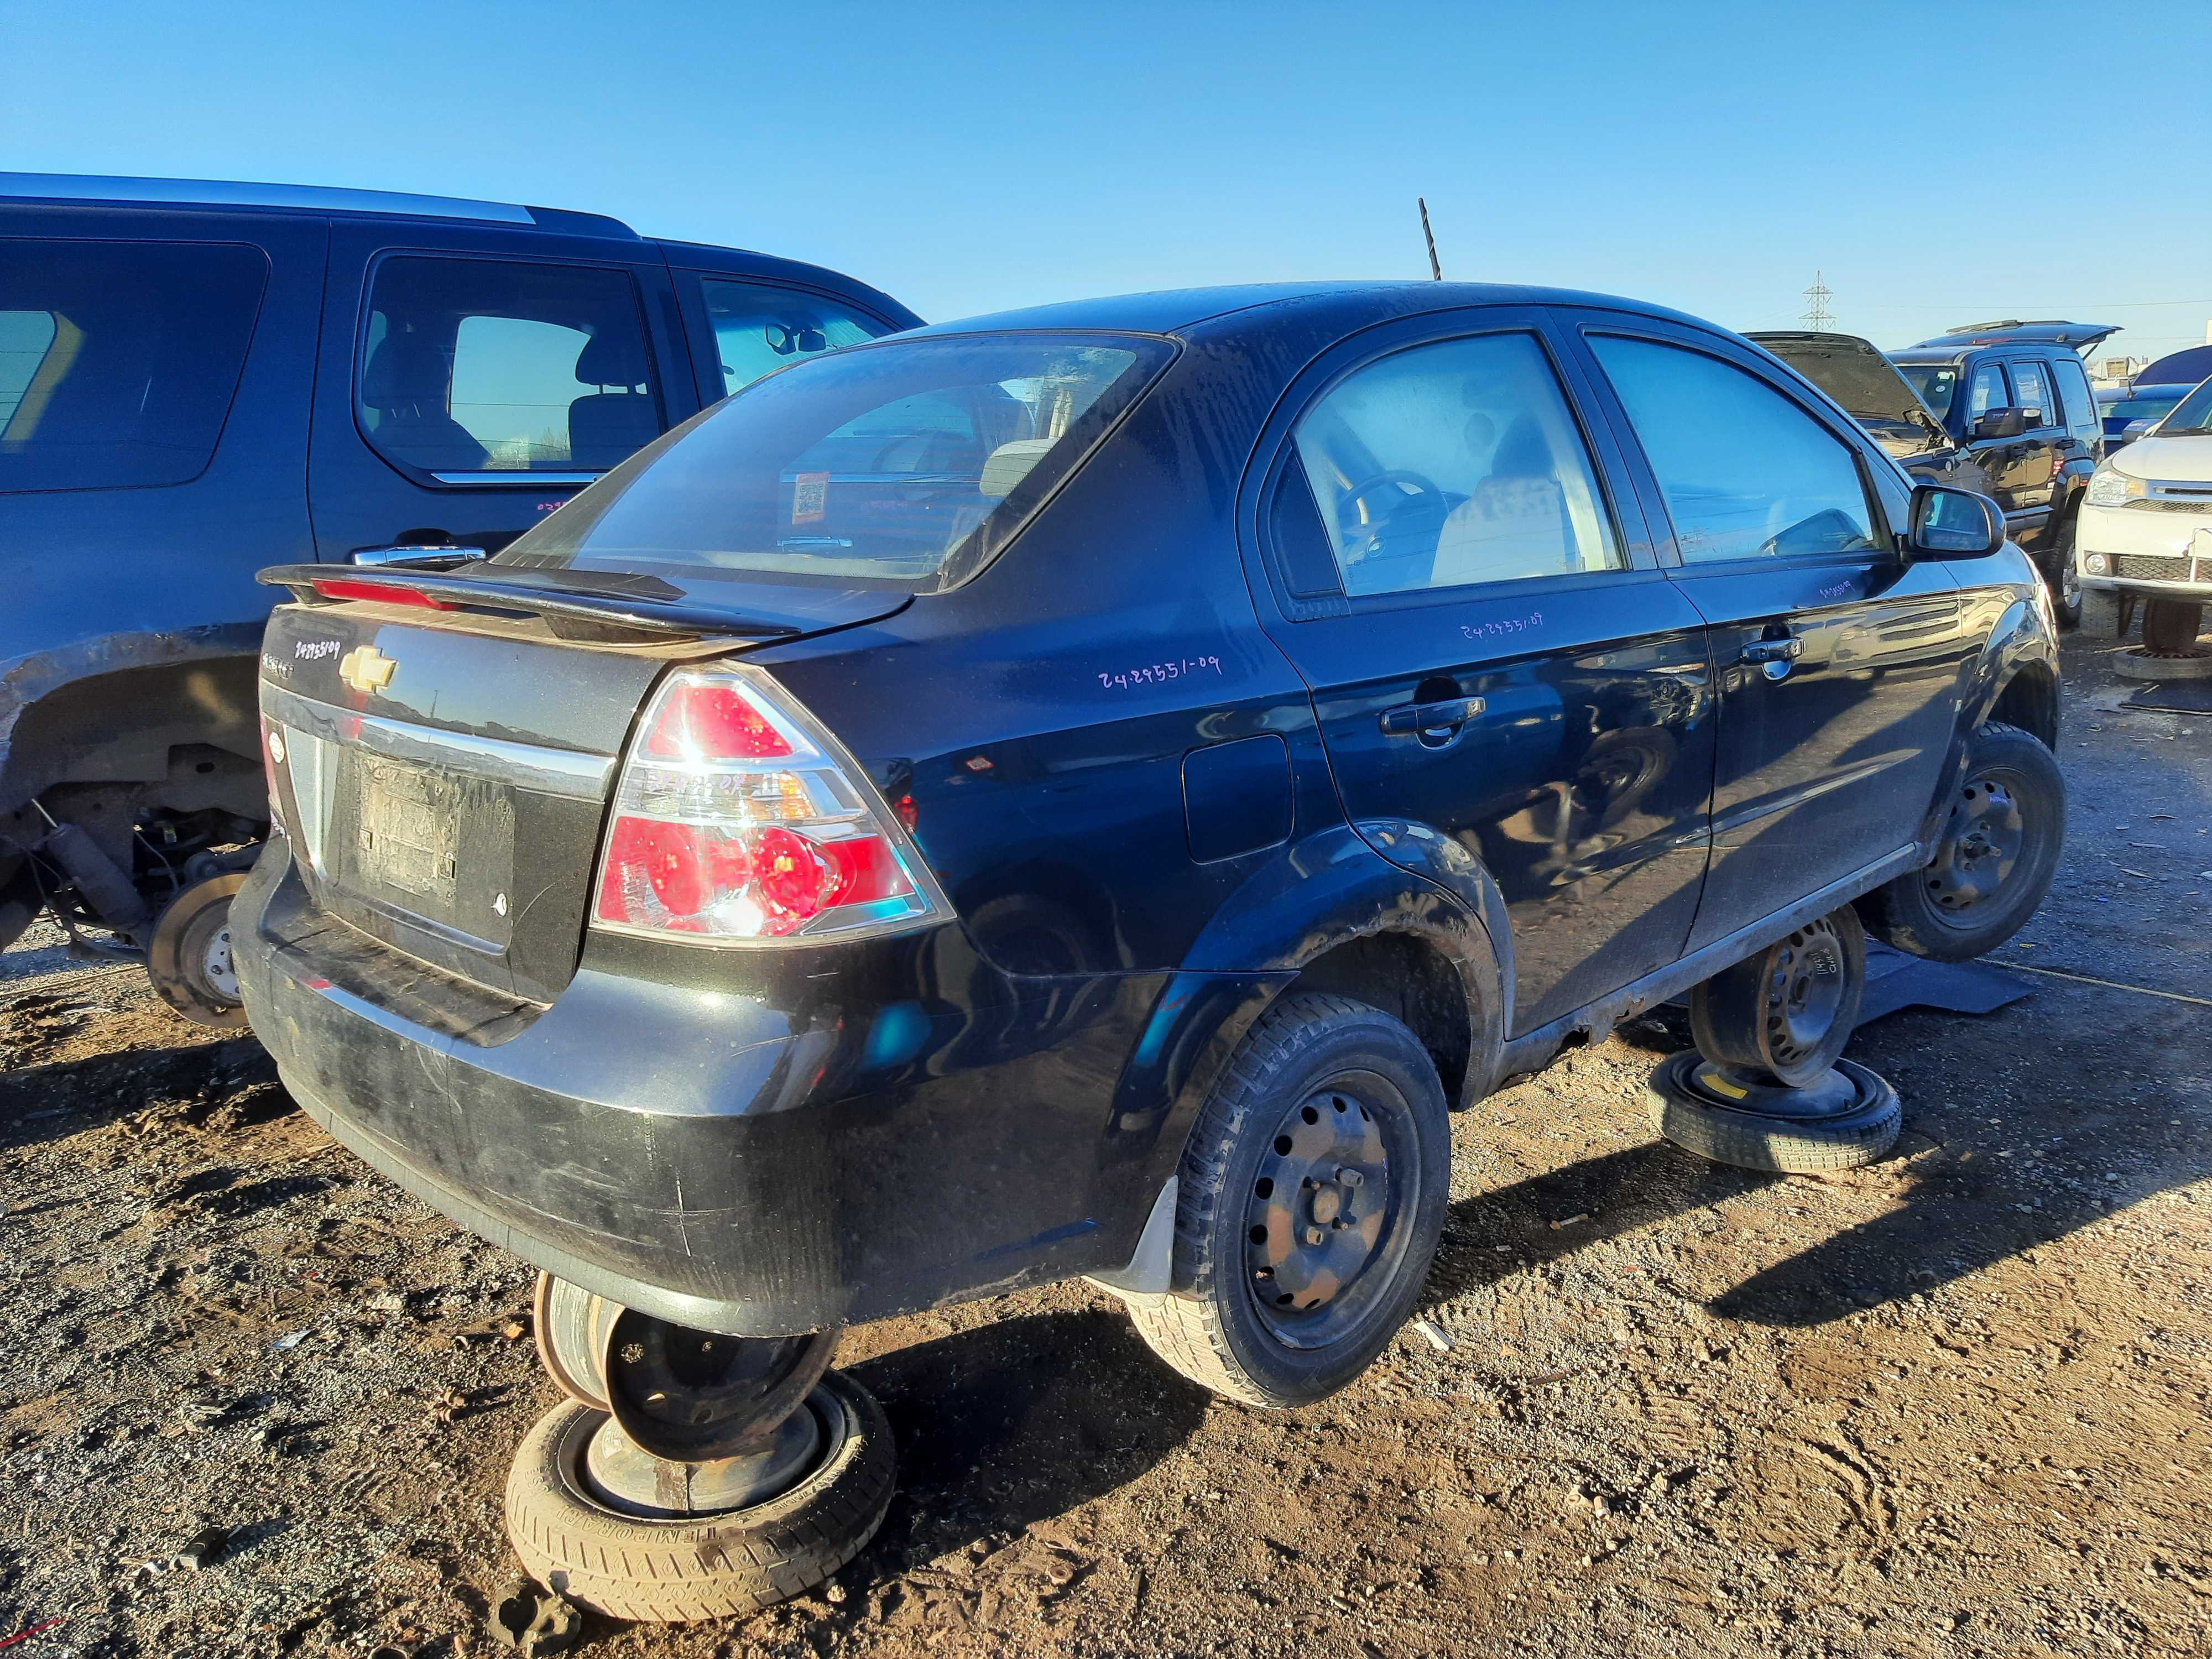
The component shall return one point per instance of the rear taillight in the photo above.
(740, 819)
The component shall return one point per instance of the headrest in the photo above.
(613, 357)
(405, 369)
(1009, 463)
(1523, 452)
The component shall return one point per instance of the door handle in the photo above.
(442, 556)
(1408, 719)
(1774, 656)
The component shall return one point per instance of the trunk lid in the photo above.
(445, 773)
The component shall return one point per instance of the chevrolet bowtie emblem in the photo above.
(366, 669)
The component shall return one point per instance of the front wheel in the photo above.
(2170, 627)
(1994, 859)
(1310, 1202)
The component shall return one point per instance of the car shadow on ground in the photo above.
(992, 1437)
(1958, 1209)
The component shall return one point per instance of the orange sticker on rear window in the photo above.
(810, 497)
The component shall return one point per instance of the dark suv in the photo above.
(2016, 398)
(1086, 791)
(196, 379)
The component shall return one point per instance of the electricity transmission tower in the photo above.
(1818, 317)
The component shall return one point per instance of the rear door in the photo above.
(1495, 657)
(1839, 666)
(475, 376)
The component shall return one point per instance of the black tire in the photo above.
(1787, 1011)
(2063, 576)
(2100, 614)
(703, 1567)
(1316, 1072)
(2170, 627)
(1964, 902)
(1784, 1145)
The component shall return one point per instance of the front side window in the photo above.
(119, 361)
(1987, 392)
(1746, 472)
(2033, 396)
(1453, 464)
(760, 328)
(913, 462)
(490, 366)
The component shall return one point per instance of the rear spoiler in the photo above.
(621, 607)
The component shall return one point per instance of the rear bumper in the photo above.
(910, 1131)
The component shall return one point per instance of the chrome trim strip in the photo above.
(515, 478)
(519, 765)
(216, 192)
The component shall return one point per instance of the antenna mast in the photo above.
(1436, 271)
(1818, 317)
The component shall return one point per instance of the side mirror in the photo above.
(1954, 524)
(2001, 423)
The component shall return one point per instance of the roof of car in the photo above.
(313, 198)
(2010, 331)
(1176, 311)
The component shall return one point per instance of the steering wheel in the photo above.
(1419, 508)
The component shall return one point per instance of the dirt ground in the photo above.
(1952, 1404)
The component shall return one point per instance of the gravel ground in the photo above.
(1952, 1404)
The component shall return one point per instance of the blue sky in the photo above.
(1938, 164)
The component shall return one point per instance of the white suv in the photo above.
(2146, 530)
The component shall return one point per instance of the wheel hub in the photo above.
(1317, 1206)
(625, 1477)
(1980, 846)
(216, 968)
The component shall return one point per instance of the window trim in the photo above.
(1361, 351)
(489, 478)
(1852, 437)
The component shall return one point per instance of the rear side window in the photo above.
(119, 361)
(475, 366)
(760, 328)
(1746, 472)
(2079, 406)
(1448, 464)
(2032, 395)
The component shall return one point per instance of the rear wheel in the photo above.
(1994, 858)
(596, 1548)
(1787, 1012)
(1310, 1199)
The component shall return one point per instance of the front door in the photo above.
(1839, 666)
(475, 377)
(1502, 674)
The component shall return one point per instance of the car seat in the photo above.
(407, 383)
(606, 427)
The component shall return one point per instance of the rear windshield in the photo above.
(1936, 383)
(912, 462)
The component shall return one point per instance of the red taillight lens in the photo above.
(739, 818)
(341, 588)
(706, 722)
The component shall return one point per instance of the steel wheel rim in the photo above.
(1323, 1214)
(1804, 991)
(1980, 848)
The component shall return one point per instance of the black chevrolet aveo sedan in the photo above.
(1089, 791)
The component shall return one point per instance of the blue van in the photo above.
(198, 379)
